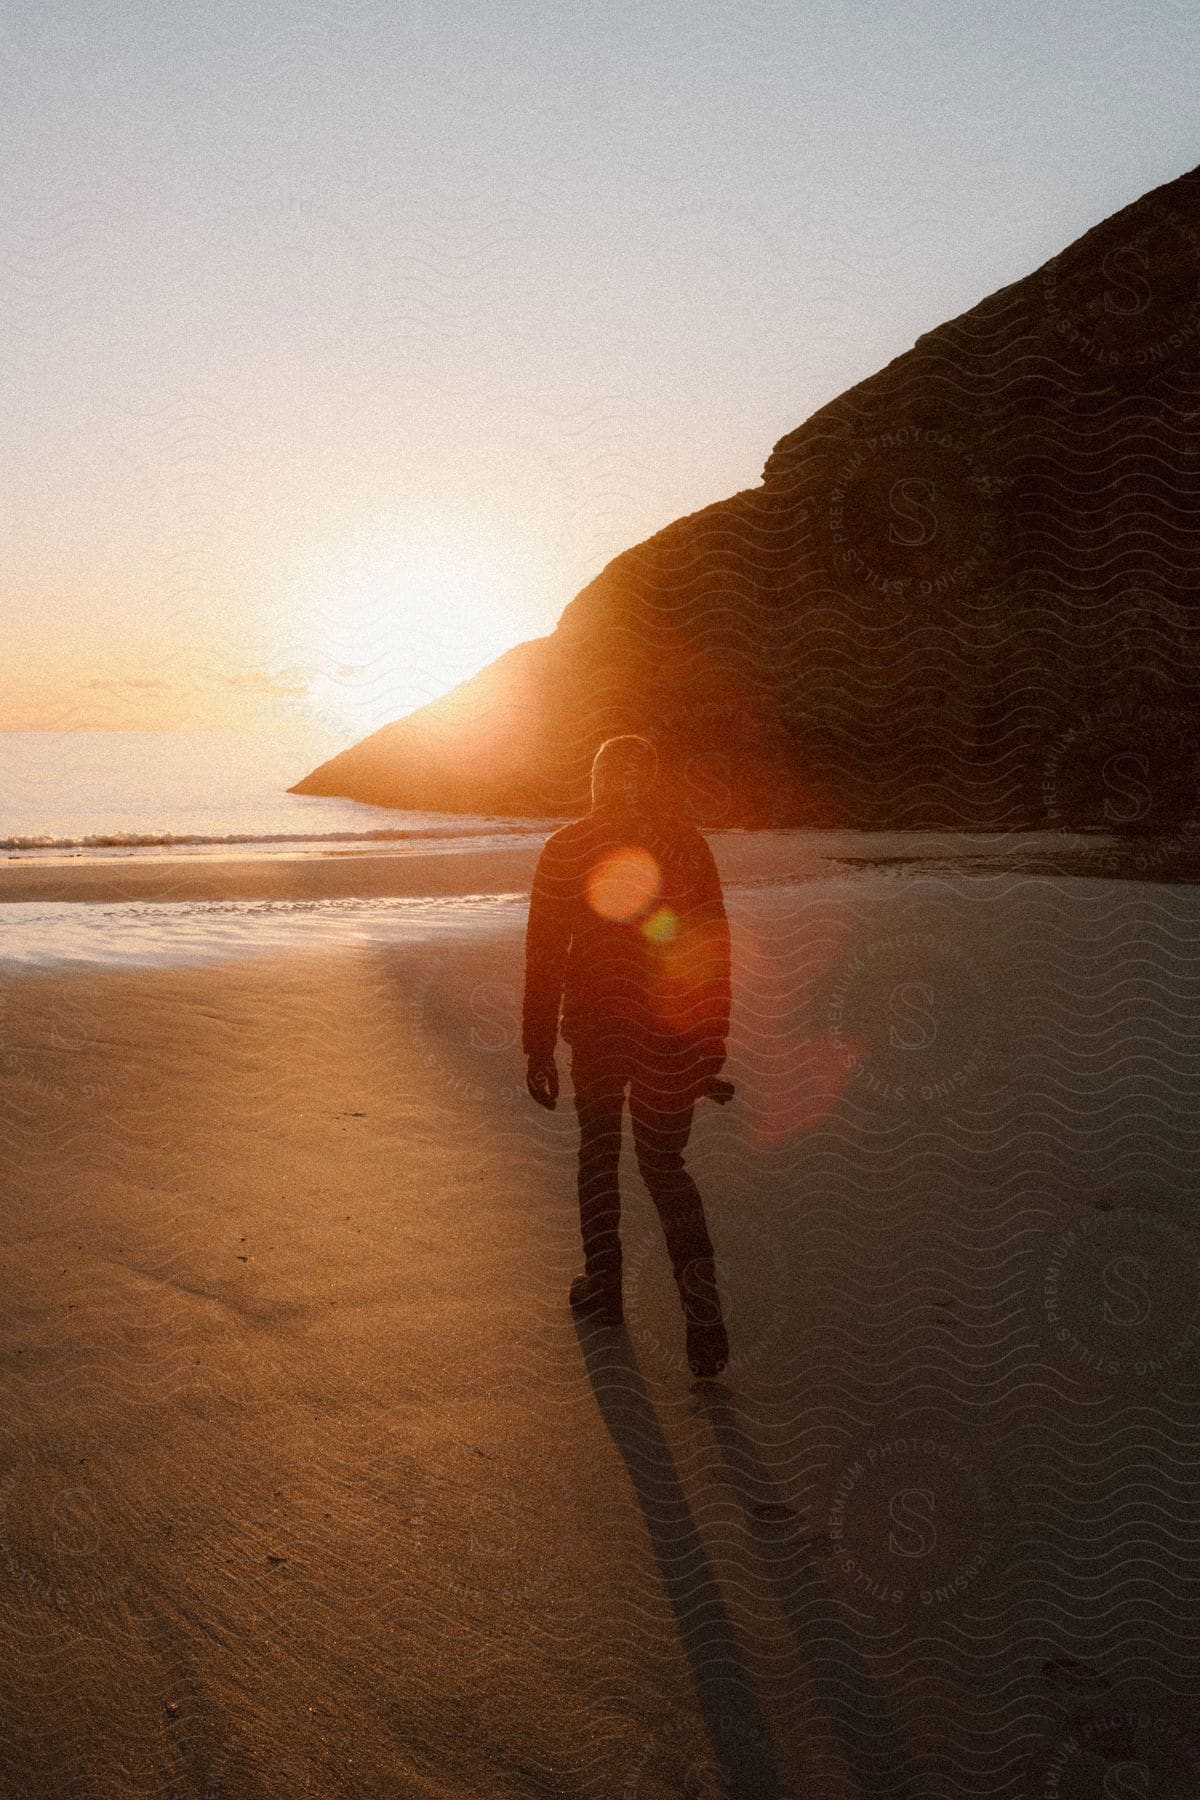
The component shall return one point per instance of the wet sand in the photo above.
(310, 1485)
(461, 865)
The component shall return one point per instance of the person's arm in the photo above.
(547, 941)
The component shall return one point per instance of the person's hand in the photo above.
(712, 1087)
(541, 1078)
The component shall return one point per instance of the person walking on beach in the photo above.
(628, 939)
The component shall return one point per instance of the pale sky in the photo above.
(345, 340)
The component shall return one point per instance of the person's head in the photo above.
(624, 772)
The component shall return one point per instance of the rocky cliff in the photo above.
(963, 594)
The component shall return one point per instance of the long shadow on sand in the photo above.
(873, 1751)
(868, 1737)
(737, 1731)
(729, 1703)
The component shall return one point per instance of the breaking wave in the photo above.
(451, 827)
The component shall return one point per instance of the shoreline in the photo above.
(458, 866)
(322, 877)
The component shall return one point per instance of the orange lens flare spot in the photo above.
(623, 884)
(661, 926)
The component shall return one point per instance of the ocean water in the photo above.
(148, 793)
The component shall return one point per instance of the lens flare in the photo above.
(661, 926)
(623, 884)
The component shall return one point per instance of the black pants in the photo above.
(661, 1103)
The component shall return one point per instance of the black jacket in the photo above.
(628, 936)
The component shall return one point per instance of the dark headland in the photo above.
(963, 594)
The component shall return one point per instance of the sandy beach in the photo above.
(311, 1485)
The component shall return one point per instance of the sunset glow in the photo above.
(390, 619)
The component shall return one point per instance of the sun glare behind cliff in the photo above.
(387, 621)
